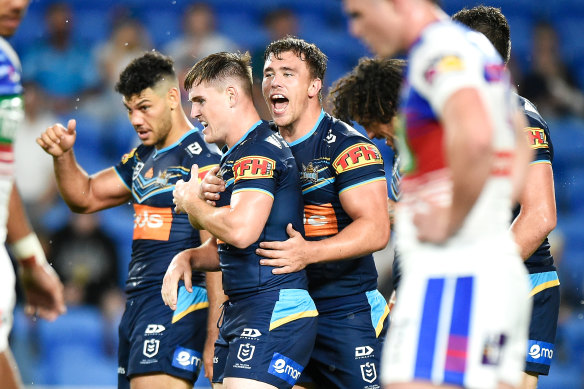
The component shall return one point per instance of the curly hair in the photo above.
(315, 59)
(491, 22)
(370, 93)
(145, 72)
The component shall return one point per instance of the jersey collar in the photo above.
(227, 150)
(302, 139)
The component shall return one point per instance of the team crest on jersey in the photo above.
(356, 156)
(253, 167)
(162, 179)
(445, 64)
(309, 173)
(536, 138)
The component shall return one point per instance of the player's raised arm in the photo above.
(81, 192)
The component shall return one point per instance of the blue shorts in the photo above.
(154, 339)
(544, 322)
(348, 345)
(266, 337)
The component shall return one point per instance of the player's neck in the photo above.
(302, 126)
(241, 124)
(180, 126)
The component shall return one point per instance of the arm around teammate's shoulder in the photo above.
(81, 192)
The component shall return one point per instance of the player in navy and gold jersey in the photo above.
(42, 288)
(345, 219)
(535, 217)
(269, 322)
(158, 347)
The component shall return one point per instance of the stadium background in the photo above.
(78, 350)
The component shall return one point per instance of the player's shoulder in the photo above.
(267, 138)
(338, 132)
(533, 116)
(193, 145)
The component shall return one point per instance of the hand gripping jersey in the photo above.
(538, 135)
(160, 233)
(447, 58)
(333, 158)
(261, 161)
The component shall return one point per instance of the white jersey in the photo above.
(451, 325)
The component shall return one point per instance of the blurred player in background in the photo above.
(535, 217)
(41, 285)
(464, 158)
(369, 95)
(158, 348)
(269, 321)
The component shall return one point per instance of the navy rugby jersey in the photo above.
(261, 161)
(538, 135)
(159, 232)
(332, 158)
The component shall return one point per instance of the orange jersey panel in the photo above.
(320, 220)
(152, 222)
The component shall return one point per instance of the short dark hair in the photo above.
(220, 66)
(145, 72)
(370, 93)
(491, 22)
(315, 59)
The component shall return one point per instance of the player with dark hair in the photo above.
(369, 95)
(535, 217)
(42, 288)
(269, 321)
(464, 159)
(158, 348)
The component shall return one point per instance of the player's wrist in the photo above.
(28, 251)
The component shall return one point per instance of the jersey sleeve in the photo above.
(438, 71)
(257, 171)
(356, 161)
(538, 137)
(125, 168)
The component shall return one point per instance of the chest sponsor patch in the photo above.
(253, 167)
(152, 222)
(356, 156)
(536, 138)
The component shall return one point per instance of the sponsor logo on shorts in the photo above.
(540, 352)
(368, 372)
(253, 167)
(152, 222)
(121, 370)
(493, 348)
(357, 156)
(186, 359)
(154, 329)
(285, 368)
(151, 347)
(251, 333)
(363, 351)
(215, 360)
(245, 352)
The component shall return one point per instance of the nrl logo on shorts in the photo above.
(368, 372)
(151, 347)
(245, 352)
(309, 173)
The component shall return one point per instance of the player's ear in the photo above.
(232, 94)
(315, 87)
(173, 97)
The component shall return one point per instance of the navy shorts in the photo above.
(154, 339)
(544, 322)
(266, 337)
(349, 341)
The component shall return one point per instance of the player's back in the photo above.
(261, 161)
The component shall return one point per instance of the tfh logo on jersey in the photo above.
(368, 372)
(253, 167)
(245, 352)
(536, 138)
(151, 347)
(152, 222)
(356, 156)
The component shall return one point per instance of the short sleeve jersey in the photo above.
(447, 58)
(333, 158)
(538, 136)
(159, 232)
(11, 118)
(261, 161)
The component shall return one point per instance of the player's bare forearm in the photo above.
(17, 225)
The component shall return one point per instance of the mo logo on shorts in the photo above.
(540, 352)
(285, 368)
(368, 372)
